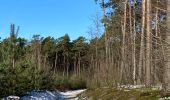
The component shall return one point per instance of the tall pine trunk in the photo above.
(142, 48)
(167, 51)
(148, 43)
(123, 42)
(134, 48)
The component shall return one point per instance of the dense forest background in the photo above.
(131, 50)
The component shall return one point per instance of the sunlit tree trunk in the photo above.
(106, 41)
(148, 43)
(156, 54)
(123, 41)
(167, 52)
(134, 48)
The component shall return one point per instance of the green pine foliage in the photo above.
(42, 63)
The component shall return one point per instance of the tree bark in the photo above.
(167, 52)
(123, 43)
(148, 44)
(134, 49)
(142, 48)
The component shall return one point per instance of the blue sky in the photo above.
(47, 17)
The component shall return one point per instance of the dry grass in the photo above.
(115, 94)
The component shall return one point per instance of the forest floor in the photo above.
(122, 94)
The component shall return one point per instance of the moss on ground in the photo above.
(124, 94)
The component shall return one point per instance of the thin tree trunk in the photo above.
(131, 41)
(56, 59)
(67, 64)
(44, 61)
(64, 66)
(106, 41)
(142, 48)
(155, 78)
(167, 52)
(79, 65)
(123, 43)
(134, 49)
(148, 44)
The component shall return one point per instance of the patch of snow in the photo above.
(43, 95)
(48, 95)
(11, 98)
(131, 86)
(72, 94)
(126, 90)
(166, 98)
(157, 87)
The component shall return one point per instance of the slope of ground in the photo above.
(121, 94)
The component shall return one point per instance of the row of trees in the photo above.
(41, 63)
(136, 42)
(134, 49)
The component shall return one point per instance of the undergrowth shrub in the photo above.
(69, 83)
